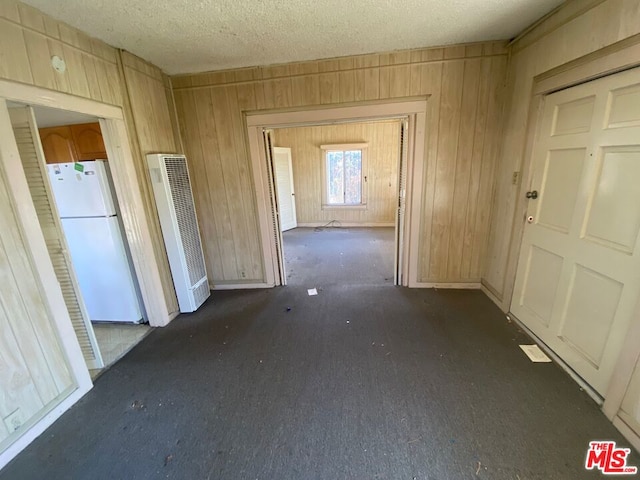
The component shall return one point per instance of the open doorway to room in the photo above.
(338, 189)
(66, 165)
(411, 114)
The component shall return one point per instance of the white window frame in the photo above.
(342, 147)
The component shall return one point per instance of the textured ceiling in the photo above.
(183, 36)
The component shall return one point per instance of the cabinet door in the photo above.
(88, 141)
(57, 144)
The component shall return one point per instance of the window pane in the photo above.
(353, 176)
(335, 177)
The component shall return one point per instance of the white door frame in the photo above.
(413, 109)
(612, 59)
(126, 183)
(133, 216)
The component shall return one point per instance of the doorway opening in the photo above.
(338, 193)
(66, 165)
(411, 115)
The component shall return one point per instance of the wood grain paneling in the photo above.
(464, 84)
(308, 163)
(149, 118)
(29, 39)
(576, 30)
(34, 373)
(95, 70)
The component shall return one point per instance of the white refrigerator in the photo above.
(91, 226)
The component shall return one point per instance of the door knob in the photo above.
(532, 194)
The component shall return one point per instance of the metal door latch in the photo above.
(532, 194)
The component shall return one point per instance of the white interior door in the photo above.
(284, 186)
(32, 158)
(578, 274)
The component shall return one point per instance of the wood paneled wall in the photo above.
(308, 161)
(149, 116)
(465, 86)
(33, 368)
(28, 40)
(577, 29)
(95, 70)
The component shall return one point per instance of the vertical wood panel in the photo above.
(15, 59)
(149, 110)
(431, 84)
(556, 41)
(471, 233)
(463, 84)
(462, 178)
(35, 371)
(308, 164)
(448, 136)
(492, 146)
(235, 197)
(39, 60)
(329, 88)
(209, 184)
(251, 257)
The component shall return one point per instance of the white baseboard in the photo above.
(338, 223)
(448, 285)
(627, 432)
(493, 297)
(41, 425)
(239, 286)
(595, 396)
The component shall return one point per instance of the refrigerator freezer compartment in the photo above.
(82, 189)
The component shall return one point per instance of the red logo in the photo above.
(609, 459)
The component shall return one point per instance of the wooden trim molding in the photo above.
(31, 95)
(552, 21)
(345, 146)
(449, 285)
(416, 111)
(627, 432)
(340, 224)
(31, 232)
(612, 59)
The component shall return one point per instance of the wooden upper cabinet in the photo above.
(73, 143)
(58, 145)
(88, 141)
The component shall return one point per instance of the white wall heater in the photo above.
(176, 209)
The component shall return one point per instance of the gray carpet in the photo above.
(359, 382)
(339, 256)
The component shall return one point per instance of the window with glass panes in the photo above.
(344, 177)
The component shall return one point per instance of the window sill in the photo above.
(362, 206)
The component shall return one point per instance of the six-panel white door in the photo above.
(284, 186)
(578, 277)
